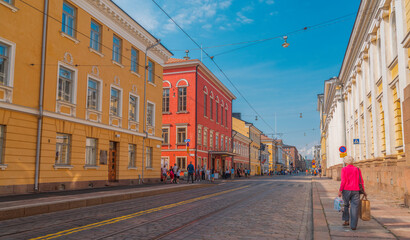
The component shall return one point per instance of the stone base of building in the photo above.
(66, 186)
(387, 175)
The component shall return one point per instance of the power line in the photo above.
(212, 59)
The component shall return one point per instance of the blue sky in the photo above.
(273, 79)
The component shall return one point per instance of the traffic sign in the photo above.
(342, 149)
(187, 140)
(356, 141)
(342, 155)
(313, 161)
(187, 144)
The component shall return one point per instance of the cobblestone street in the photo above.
(256, 208)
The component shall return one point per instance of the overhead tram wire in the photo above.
(212, 59)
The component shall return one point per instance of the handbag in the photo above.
(338, 204)
(364, 209)
(361, 189)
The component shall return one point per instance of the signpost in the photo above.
(342, 151)
(356, 141)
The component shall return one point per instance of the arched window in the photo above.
(205, 101)
(211, 105)
(182, 85)
(166, 86)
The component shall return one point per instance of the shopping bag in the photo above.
(364, 211)
(338, 204)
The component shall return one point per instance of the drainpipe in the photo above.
(145, 107)
(196, 116)
(41, 97)
(249, 153)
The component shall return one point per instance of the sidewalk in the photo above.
(389, 220)
(33, 204)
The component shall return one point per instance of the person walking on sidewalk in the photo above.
(350, 187)
(191, 171)
(232, 173)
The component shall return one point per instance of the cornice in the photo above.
(111, 11)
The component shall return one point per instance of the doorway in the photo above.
(112, 162)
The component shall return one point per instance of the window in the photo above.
(134, 60)
(95, 36)
(165, 100)
(216, 112)
(93, 95)
(222, 115)
(133, 109)
(150, 114)
(68, 21)
(199, 135)
(115, 102)
(216, 142)
(132, 155)
(211, 140)
(226, 144)
(116, 49)
(151, 71)
(65, 85)
(181, 99)
(205, 104)
(4, 64)
(226, 117)
(222, 143)
(393, 32)
(181, 135)
(181, 162)
(211, 105)
(62, 149)
(2, 133)
(91, 152)
(149, 157)
(165, 135)
(205, 138)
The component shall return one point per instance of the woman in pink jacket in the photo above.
(349, 189)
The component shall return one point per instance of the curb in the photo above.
(320, 226)
(41, 208)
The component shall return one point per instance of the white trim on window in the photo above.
(182, 85)
(169, 135)
(154, 113)
(176, 135)
(12, 48)
(100, 91)
(74, 85)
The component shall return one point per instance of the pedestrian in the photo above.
(175, 171)
(233, 173)
(306, 172)
(197, 174)
(202, 173)
(191, 171)
(351, 186)
(212, 174)
(172, 175)
(246, 172)
(208, 175)
(249, 173)
(164, 174)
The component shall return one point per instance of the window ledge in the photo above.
(166, 144)
(91, 167)
(166, 113)
(406, 40)
(66, 103)
(3, 166)
(11, 6)
(132, 168)
(95, 51)
(135, 73)
(75, 40)
(182, 112)
(117, 63)
(181, 144)
(393, 63)
(153, 84)
(149, 169)
(58, 166)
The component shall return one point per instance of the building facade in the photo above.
(72, 100)
(241, 150)
(364, 108)
(197, 108)
(264, 155)
(293, 154)
(271, 147)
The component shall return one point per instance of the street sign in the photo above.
(356, 141)
(187, 149)
(187, 144)
(313, 161)
(342, 155)
(187, 140)
(342, 149)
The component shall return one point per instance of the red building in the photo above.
(292, 151)
(197, 108)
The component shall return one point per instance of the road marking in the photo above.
(132, 215)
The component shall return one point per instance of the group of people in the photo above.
(200, 173)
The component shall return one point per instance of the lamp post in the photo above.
(144, 127)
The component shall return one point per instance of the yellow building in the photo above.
(72, 97)
(270, 145)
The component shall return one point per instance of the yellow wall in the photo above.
(21, 126)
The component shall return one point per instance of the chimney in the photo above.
(237, 115)
(186, 57)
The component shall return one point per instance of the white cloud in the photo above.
(243, 19)
(269, 2)
(225, 4)
(207, 26)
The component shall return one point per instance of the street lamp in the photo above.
(145, 107)
(285, 44)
